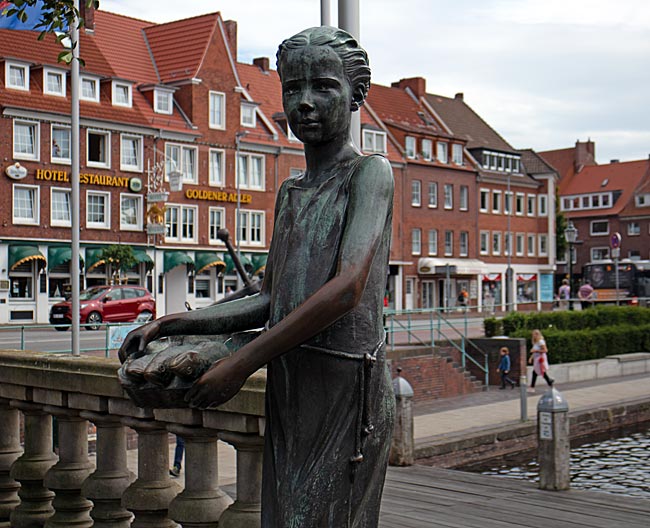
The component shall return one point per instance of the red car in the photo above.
(109, 304)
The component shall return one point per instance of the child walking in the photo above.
(504, 368)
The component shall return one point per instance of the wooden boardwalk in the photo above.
(419, 496)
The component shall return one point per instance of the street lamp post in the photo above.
(571, 235)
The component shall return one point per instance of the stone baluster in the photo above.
(202, 501)
(71, 508)
(10, 450)
(149, 496)
(29, 470)
(112, 476)
(246, 511)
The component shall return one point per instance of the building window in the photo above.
(520, 245)
(464, 198)
(410, 147)
(485, 200)
(98, 210)
(60, 213)
(519, 204)
(507, 244)
(496, 202)
(250, 172)
(457, 153)
(131, 153)
(248, 115)
(416, 241)
(427, 149)
(217, 110)
(633, 229)
(216, 168)
(531, 204)
(374, 141)
(183, 159)
(216, 221)
(433, 241)
(180, 223)
(162, 102)
(26, 205)
(16, 76)
(442, 152)
(543, 245)
(60, 152)
(89, 89)
(416, 193)
(599, 253)
(22, 282)
(433, 194)
(507, 203)
(642, 200)
(131, 212)
(484, 242)
(599, 228)
(54, 83)
(496, 243)
(449, 243)
(449, 196)
(531, 245)
(26, 140)
(98, 149)
(464, 243)
(542, 206)
(121, 94)
(251, 227)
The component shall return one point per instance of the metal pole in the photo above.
(616, 252)
(74, 192)
(570, 276)
(325, 13)
(238, 136)
(349, 21)
(523, 398)
(509, 300)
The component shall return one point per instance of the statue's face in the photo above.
(316, 94)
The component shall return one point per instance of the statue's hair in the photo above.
(354, 57)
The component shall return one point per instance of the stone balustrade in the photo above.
(41, 488)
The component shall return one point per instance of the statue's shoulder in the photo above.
(377, 171)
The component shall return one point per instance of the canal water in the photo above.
(613, 465)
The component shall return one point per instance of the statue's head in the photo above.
(354, 58)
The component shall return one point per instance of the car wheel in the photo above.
(93, 321)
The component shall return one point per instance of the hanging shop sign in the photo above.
(16, 171)
(217, 196)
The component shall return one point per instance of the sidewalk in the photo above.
(494, 408)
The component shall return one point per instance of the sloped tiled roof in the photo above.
(534, 163)
(179, 47)
(622, 177)
(563, 160)
(464, 122)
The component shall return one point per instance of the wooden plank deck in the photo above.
(420, 496)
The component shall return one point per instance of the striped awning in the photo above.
(175, 258)
(94, 258)
(20, 254)
(208, 259)
(230, 265)
(141, 257)
(58, 255)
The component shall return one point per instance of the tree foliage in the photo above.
(120, 257)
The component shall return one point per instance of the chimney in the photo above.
(231, 33)
(262, 63)
(418, 85)
(459, 96)
(88, 15)
(614, 161)
(585, 154)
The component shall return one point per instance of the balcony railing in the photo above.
(39, 488)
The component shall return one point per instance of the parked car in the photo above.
(109, 304)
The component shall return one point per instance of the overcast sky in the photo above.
(543, 73)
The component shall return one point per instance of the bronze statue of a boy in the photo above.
(329, 401)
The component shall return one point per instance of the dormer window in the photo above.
(410, 147)
(374, 141)
(642, 200)
(89, 89)
(457, 154)
(427, 149)
(53, 82)
(442, 152)
(248, 115)
(121, 94)
(17, 76)
(162, 101)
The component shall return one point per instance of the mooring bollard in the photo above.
(402, 448)
(523, 398)
(553, 451)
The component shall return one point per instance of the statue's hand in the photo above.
(137, 340)
(217, 385)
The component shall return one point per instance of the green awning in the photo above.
(208, 259)
(259, 262)
(175, 258)
(230, 265)
(58, 255)
(20, 254)
(94, 258)
(142, 256)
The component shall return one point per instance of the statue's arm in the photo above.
(371, 195)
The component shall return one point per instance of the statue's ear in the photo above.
(358, 97)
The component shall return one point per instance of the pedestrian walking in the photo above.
(504, 368)
(539, 360)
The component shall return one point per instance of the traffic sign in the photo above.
(615, 240)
